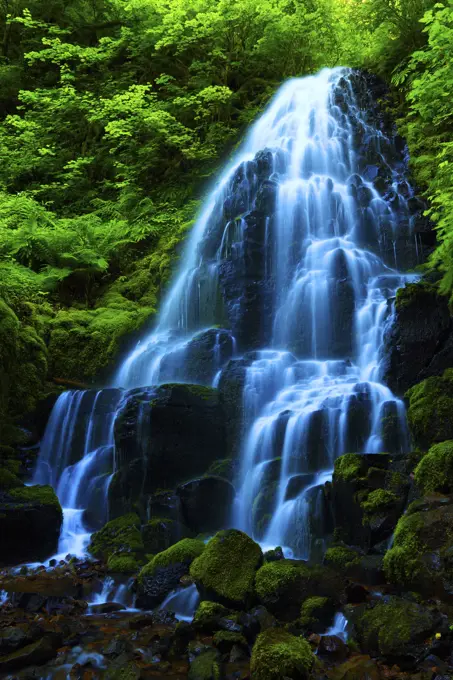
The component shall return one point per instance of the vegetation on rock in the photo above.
(278, 654)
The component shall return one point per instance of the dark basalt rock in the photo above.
(420, 342)
(152, 590)
(163, 437)
(206, 503)
(30, 523)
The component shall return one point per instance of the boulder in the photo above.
(34, 654)
(420, 341)
(163, 573)
(163, 438)
(284, 585)
(120, 544)
(421, 556)
(30, 523)
(277, 654)
(161, 533)
(397, 630)
(225, 571)
(430, 408)
(206, 503)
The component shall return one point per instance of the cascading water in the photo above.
(298, 253)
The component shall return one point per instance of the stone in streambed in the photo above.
(225, 571)
(163, 573)
(36, 653)
(277, 654)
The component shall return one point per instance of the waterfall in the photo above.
(299, 251)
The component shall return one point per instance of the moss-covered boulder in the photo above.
(163, 573)
(317, 612)
(421, 557)
(368, 497)
(225, 572)
(30, 522)
(396, 630)
(435, 470)
(277, 654)
(206, 503)
(283, 586)
(208, 615)
(120, 544)
(430, 409)
(206, 666)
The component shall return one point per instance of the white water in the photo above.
(328, 263)
(339, 627)
(183, 602)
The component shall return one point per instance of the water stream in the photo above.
(299, 250)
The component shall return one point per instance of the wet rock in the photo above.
(333, 648)
(30, 523)
(420, 342)
(161, 533)
(231, 387)
(224, 641)
(107, 608)
(155, 442)
(36, 653)
(201, 358)
(256, 621)
(360, 667)
(274, 555)
(206, 503)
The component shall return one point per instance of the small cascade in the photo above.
(183, 602)
(77, 459)
(339, 627)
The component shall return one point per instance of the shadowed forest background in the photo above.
(114, 118)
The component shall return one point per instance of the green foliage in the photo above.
(277, 654)
(435, 470)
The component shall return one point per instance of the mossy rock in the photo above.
(349, 467)
(430, 409)
(341, 557)
(420, 558)
(30, 523)
(225, 640)
(8, 480)
(277, 654)
(435, 470)
(183, 552)
(317, 613)
(123, 563)
(225, 572)
(282, 586)
(161, 533)
(395, 630)
(165, 570)
(120, 535)
(208, 615)
(206, 666)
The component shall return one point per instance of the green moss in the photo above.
(377, 501)
(123, 563)
(42, 495)
(200, 391)
(118, 535)
(159, 534)
(8, 480)
(340, 557)
(430, 409)
(414, 293)
(226, 637)
(208, 614)
(435, 470)
(273, 577)
(206, 666)
(224, 467)
(278, 654)
(402, 563)
(183, 551)
(348, 467)
(312, 609)
(389, 627)
(227, 567)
